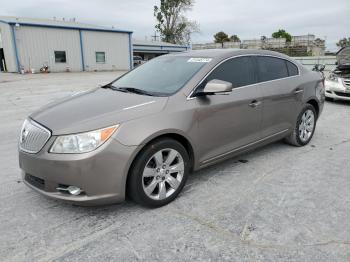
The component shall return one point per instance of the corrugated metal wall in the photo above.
(115, 46)
(8, 47)
(36, 46)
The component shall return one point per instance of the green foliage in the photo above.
(281, 33)
(234, 38)
(221, 37)
(344, 42)
(172, 24)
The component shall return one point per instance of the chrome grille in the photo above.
(33, 137)
(346, 82)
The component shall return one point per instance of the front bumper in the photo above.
(337, 90)
(101, 174)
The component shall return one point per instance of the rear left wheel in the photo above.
(305, 127)
(159, 173)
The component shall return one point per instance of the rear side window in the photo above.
(292, 69)
(239, 71)
(271, 68)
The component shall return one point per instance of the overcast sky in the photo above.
(247, 19)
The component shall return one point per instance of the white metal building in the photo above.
(62, 45)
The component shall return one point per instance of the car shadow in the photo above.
(195, 179)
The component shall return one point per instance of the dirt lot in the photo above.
(278, 203)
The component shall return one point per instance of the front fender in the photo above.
(139, 132)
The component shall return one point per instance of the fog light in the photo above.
(73, 190)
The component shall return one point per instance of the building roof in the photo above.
(156, 44)
(157, 47)
(55, 23)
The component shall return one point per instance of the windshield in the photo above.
(162, 76)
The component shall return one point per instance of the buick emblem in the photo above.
(24, 135)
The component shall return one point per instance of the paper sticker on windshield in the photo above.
(198, 60)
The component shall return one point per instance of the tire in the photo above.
(297, 137)
(158, 173)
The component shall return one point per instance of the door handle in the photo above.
(298, 91)
(254, 103)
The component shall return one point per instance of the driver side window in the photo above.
(240, 71)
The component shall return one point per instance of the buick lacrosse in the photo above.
(142, 134)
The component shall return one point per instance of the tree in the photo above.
(234, 38)
(221, 37)
(281, 33)
(172, 23)
(320, 42)
(344, 42)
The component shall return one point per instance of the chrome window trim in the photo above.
(190, 97)
(34, 123)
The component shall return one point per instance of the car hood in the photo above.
(96, 109)
(343, 56)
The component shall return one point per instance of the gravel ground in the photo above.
(278, 203)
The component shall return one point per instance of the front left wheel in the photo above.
(159, 173)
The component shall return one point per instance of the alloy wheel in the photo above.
(163, 174)
(306, 126)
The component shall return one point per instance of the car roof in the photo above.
(224, 53)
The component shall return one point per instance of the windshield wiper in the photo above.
(135, 90)
(129, 90)
(110, 86)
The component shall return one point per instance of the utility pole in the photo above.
(155, 36)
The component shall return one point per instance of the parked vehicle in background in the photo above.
(143, 133)
(338, 82)
(138, 61)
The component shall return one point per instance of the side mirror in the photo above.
(217, 86)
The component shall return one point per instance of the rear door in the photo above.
(230, 121)
(282, 98)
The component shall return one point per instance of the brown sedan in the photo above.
(143, 133)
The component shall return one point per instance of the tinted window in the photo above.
(239, 71)
(270, 68)
(60, 57)
(292, 69)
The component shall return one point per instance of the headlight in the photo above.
(82, 142)
(333, 78)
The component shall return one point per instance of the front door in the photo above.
(229, 121)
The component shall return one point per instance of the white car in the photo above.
(338, 82)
